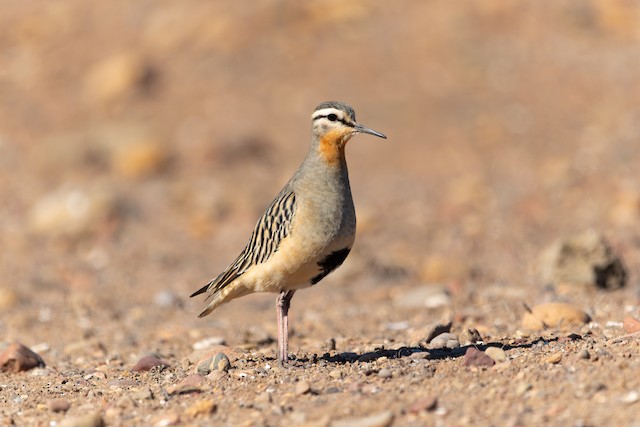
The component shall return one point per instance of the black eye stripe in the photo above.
(338, 119)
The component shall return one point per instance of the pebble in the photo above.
(470, 336)
(631, 397)
(167, 420)
(144, 393)
(554, 358)
(584, 354)
(193, 383)
(631, 325)
(428, 403)
(208, 342)
(115, 76)
(217, 375)
(429, 296)
(201, 407)
(336, 374)
(385, 373)
(428, 333)
(302, 387)
(217, 362)
(148, 362)
(585, 259)
(382, 419)
(71, 211)
(87, 420)
(522, 388)
(445, 340)
(59, 405)
(475, 357)
(554, 314)
(497, 354)
(18, 358)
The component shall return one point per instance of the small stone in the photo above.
(554, 314)
(385, 373)
(586, 259)
(631, 325)
(445, 340)
(115, 76)
(336, 374)
(144, 393)
(429, 296)
(382, 419)
(470, 336)
(554, 358)
(428, 403)
(208, 342)
(148, 362)
(217, 375)
(221, 362)
(17, 358)
(193, 383)
(71, 211)
(496, 354)
(88, 420)
(584, 354)
(59, 405)
(302, 387)
(167, 420)
(475, 357)
(201, 407)
(631, 397)
(522, 388)
(427, 334)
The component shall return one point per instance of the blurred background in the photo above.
(140, 140)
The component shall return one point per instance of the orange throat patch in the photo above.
(331, 146)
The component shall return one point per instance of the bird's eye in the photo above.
(332, 117)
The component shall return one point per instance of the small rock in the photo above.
(208, 342)
(201, 407)
(167, 420)
(497, 354)
(139, 158)
(71, 212)
(87, 420)
(59, 405)
(17, 358)
(148, 362)
(470, 336)
(584, 260)
(427, 334)
(445, 340)
(554, 314)
(382, 419)
(385, 373)
(632, 397)
(217, 375)
(475, 357)
(115, 76)
(144, 393)
(193, 383)
(522, 388)
(554, 358)
(302, 387)
(584, 354)
(631, 325)
(428, 403)
(336, 374)
(217, 362)
(424, 296)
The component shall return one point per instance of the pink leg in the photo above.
(283, 302)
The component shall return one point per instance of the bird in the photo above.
(306, 232)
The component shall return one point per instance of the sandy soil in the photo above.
(139, 142)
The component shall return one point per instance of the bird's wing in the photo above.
(272, 227)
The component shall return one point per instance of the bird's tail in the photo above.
(221, 296)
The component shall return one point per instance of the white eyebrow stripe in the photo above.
(326, 112)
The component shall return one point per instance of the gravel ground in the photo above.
(139, 142)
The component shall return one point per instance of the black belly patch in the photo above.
(330, 263)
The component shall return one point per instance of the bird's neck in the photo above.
(330, 148)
